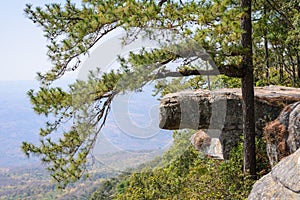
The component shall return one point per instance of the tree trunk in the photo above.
(281, 66)
(266, 49)
(292, 63)
(248, 92)
(298, 69)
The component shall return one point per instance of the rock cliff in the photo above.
(220, 111)
(283, 134)
(283, 182)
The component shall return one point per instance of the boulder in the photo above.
(201, 141)
(209, 146)
(283, 134)
(221, 111)
(283, 182)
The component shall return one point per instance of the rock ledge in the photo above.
(221, 111)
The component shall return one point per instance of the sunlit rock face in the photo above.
(209, 146)
(283, 182)
(220, 111)
(283, 141)
(283, 134)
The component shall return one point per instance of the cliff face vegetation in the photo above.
(186, 174)
(183, 173)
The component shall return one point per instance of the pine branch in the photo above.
(162, 2)
(279, 12)
(228, 70)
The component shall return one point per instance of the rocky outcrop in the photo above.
(201, 141)
(221, 111)
(208, 145)
(283, 138)
(283, 182)
(283, 134)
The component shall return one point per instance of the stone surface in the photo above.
(221, 110)
(283, 134)
(201, 141)
(283, 182)
(209, 146)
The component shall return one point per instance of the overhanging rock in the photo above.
(222, 110)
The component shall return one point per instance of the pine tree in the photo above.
(222, 28)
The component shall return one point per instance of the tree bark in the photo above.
(248, 92)
(298, 68)
(266, 49)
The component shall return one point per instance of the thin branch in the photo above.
(281, 13)
(228, 70)
(162, 2)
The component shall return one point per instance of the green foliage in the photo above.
(32, 182)
(77, 109)
(276, 45)
(190, 175)
(223, 81)
(179, 84)
(73, 31)
(106, 190)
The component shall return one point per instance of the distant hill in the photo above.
(19, 123)
(129, 139)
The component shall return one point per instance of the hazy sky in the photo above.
(23, 47)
